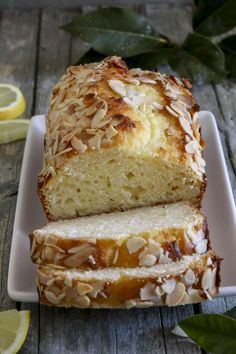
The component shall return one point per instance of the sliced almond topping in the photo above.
(95, 142)
(196, 118)
(147, 260)
(135, 243)
(195, 236)
(69, 280)
(194, 166)
(97, 287)
(110, 132)
(157, 105)
(169, 286)
(116, 255)
(147, 292)
(189, 277)
(186, 126)
(49, 253)
(176, 297)
(128, 101)
(99, 116)
(209, 261)
(194, 296)
(164, 259)
(201, 246)
(82, 248)
(207, 279)
(171, 111)
(130, 303)
(83, 300)
(135, 71)
(52, 298)
(118, 87)
(43, 278)
(144, 304)
(192, 147)
(83, 288)
(78, 145)
(146, 80)
(33, 246)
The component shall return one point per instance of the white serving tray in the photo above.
(218, 205)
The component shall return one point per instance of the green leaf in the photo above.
(90, 57)
(212, 332)
(231, 313)
(228, 45)
(116, 31)
(214, 17)
(198, 59)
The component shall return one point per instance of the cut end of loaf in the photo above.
(110, 180)
(139, 237)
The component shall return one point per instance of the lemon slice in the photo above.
(11, 130)
(12, 102)
(14, 326)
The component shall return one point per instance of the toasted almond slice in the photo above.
(83, 300)
(186, 126)
(189, 277)
(135, 243)
(147, 292)
(169, 286)
(118, 87)
(83, 288)
(176, 297)
(147, 260)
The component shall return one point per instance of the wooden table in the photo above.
(33, 54)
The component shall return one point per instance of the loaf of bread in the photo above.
(139, 237)
(118, 139)
(192, 279)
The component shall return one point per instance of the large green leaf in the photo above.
(116, 31)
(213, 17)
(212, 332)
(198, 59)
(228, 45)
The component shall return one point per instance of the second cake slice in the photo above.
(139, 237)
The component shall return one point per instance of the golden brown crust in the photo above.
(91, 88)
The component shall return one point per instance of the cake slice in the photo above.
(139, 237)
(117, 139)
(192, 279)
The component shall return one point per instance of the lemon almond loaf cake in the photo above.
(192, 279)
(117, 139)
(140, 237)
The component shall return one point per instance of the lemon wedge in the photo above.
(12, 102)
(14, 326)
(11, 130)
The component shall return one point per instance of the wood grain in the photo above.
(73, 4)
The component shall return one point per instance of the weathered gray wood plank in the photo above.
(66, 4)
(18, 42)
(18, 34)
(54, 52)
(7, 210)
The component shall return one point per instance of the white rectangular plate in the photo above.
(218, 205)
